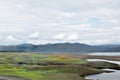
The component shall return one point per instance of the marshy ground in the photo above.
(33, 66)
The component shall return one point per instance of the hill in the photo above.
(60, 47)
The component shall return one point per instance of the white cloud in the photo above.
(72, 37)
(1, 38)
(59, 36)
(71, 20)
(66, 37)
(66, 14)
(35, 35)
(11, 38)
(98, 41)
(79, 26)
(11, 28)
(40, 41)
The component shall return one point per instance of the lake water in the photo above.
(105, 54)
(106, 76)
(115, 62)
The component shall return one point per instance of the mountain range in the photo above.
(60, 47)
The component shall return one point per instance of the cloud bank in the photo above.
(53, 21)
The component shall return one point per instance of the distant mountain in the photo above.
(25, 45)
(114, 50)
(60, 47)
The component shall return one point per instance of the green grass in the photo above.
(33, 66)
(11, 70)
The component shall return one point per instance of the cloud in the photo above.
(35, 35)
(78, 27)
(11, 38)
(73, 37)
(41, 41)
(98, 41)
(1, 37)
(66, 36)
(89, 21)
(59, 36)
(11, 28)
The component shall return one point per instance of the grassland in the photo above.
(33, 66)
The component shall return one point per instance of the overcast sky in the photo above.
(54, 21)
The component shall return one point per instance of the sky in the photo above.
(59, 21)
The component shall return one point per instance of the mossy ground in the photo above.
(33, 66)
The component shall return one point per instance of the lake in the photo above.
(115, 62)
(105, 53)
(106, 76)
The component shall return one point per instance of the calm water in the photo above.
(106, 76)
(115, 62)
(106, 53)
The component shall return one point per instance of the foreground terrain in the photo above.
(33, 66)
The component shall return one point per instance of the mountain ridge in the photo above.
(60, 47)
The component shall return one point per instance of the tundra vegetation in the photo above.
(34, 66)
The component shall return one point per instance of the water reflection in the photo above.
(105, 76)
